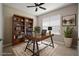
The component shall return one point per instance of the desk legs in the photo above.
(27, 45)
(52, 42)
(35, 53)
(37, 48)
(33, 48)
(35, 45)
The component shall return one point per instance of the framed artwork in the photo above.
(69, 20)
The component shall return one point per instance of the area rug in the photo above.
(19, 50)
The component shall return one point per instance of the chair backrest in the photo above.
(43, 32)
(29, 31)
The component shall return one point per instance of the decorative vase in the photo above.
(68, 42)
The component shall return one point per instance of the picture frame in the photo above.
(69, 20)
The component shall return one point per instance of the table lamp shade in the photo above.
(49, 28)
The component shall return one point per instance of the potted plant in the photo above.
(68, 36)
(37, 30)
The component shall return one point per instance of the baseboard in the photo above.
(59, 42)
(74, 46)
(6, 45)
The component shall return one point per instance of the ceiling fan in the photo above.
(37, 5)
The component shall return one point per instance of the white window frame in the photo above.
(49, 17)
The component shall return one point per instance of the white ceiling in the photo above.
(49, 7)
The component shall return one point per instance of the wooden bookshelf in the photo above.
(21, 26)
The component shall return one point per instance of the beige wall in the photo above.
(1, 28)
(8, 12)
(67, 10)
(1, 22)
(78, 21)
(78, 29)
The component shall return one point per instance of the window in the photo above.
(54, 22)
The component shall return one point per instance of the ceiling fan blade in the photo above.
(36, 9)
(30, 6)
(41, 4)
(42, 8)
(36, 4)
